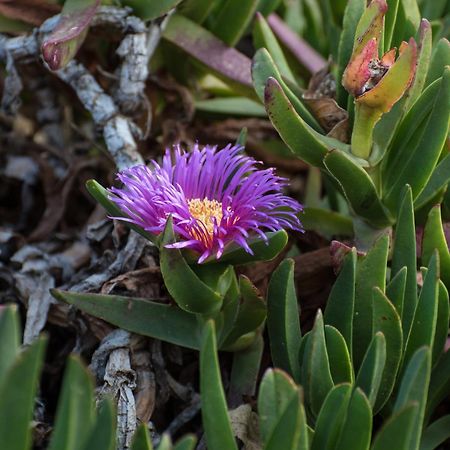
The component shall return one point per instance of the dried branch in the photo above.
(136, 49)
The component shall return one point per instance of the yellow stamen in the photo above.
(205, 211)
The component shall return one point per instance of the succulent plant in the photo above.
(79, 425)
(377, 350)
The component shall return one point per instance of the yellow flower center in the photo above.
(205, 211)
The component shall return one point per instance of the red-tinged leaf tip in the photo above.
(61, 45)
(389, 57)
(382, 5)
(358, 71)
(391, 87)
(259, 17)
(424, 27)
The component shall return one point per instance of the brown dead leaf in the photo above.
(244, 423)
(144, 283)
(33, 12)
(327, 111)
(320, 98)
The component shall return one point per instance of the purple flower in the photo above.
(214, 197)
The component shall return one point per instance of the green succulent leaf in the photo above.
(370, 373)
(101, 195)
(396, 430)
(149, 10)
(423, 63)
(158, 320)
(339, 357)
(407, 22)
(264, 37)
(231, 106)
(75, 413)
(326, 222)
(304, 142)
(331, 417)
(414, 388)
(265, 7)
(423, 328)
(186, 443)
(434, 239)
(439, 384)
(436, 434)
(251, 314)
(442, 322)
(418, 158)
(290, 427)
(9, 338)
(165, 443)
(353, 13)
(341, 301)
(245, 369)
(277, 390)
(232, 19)
(17, 395)
(395, 131)
(102, 436)
(389, 23)
(332, 30)
(370, 273)
(357, 187)
(370, 24)
(387, 321)
(395, 290)
(184, 285)
(316, 374)
(439, 59)
(216, 422)
(283, 320)
(141, 438)
(264, 67)
(196, 10)
(359, 417)
(438, 181)
(404, 255)
(226, 320)
(408, 131)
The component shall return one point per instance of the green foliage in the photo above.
(283, 319)
(216, 422)
(316, 374)
(149, 10)
(78, 424)
(377, 351)
(75, 412)
(17, 390)
(401, 370)
(408, 140)
(232, 18)
(141, 316)
(344, 419)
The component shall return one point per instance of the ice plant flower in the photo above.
(215, 197)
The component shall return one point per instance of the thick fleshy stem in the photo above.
(362, 136)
